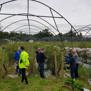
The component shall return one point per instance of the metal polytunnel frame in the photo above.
(33, 15)
(86, 29)
(29, 20)
(40, 17)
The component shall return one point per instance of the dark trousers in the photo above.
(24, 77)
(41, 70)
(18, 71)
(74, 71)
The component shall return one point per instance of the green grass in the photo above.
(35, 84)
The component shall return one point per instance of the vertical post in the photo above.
(28, 15)
(62, 69)
(0, 7)
(34, 65)
(54, 20)
(71, 36)
(55, 62)
(3, 62)
(62, 64)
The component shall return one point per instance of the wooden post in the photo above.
(55, 62)
(3, 62)
(62, 64)
(62, 69)
(34, 65)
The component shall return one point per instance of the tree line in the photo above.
(42, 35)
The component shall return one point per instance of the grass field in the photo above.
(35, 82)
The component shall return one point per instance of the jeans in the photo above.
(41, 70)
(74, 71)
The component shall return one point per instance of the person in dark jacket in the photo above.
(73, 63)
(40, 57)
(76, 58)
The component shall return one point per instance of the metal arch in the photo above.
(37, 16)
(26, 28)
(19, 21)
(81, 29)
(29, 19)
(27, 25)
(7, 17)
(33, 32)
(23, 28)
(84, 26)
(33, 26)
(87, 32)
(49, 8)
(14, 23)
(25, 14)
(38, 21)
(25, 19)
(1, 5)
(56, 12)
(47, 22)
(7, 2)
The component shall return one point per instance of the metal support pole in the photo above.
(71, 36)
(3, 63)
(54, 20)
(0, 7)
(28, 14)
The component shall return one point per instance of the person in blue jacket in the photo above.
(76, 59)
(72, 59)
(40, 57)
(16, 58)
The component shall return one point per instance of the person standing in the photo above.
(76, 58)
(73, 64)
(16, 58)
(40, 57)
(23, 64)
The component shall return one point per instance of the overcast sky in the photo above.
(77, 12)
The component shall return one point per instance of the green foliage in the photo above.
(43, 34)
(35, 84)
(75, 84)
(51, 49)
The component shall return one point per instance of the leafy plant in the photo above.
(74, 84)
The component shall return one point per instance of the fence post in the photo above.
(55, 62)
(3, 62)
(62, 64)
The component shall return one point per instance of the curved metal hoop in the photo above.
(26, 20)
(32, 26)
(51, 10)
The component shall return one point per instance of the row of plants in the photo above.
(53, 50)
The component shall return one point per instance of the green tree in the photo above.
(43, 34)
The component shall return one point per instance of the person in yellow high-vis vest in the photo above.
(23, 64)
